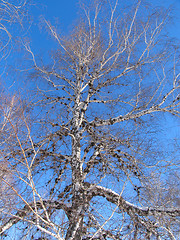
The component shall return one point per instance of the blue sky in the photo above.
(64, 12)
(67, 10)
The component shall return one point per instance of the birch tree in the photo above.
(10, 15)
(85, 161)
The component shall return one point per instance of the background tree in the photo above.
(85, 159)
(11, 17)
(11, 14)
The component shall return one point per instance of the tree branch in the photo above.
(20, 215)
(115, 198)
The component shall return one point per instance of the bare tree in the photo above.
(85, 167)
(10, 14)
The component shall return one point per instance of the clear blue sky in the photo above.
(64, 12)
(67, 10)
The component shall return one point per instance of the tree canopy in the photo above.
(84, 158)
